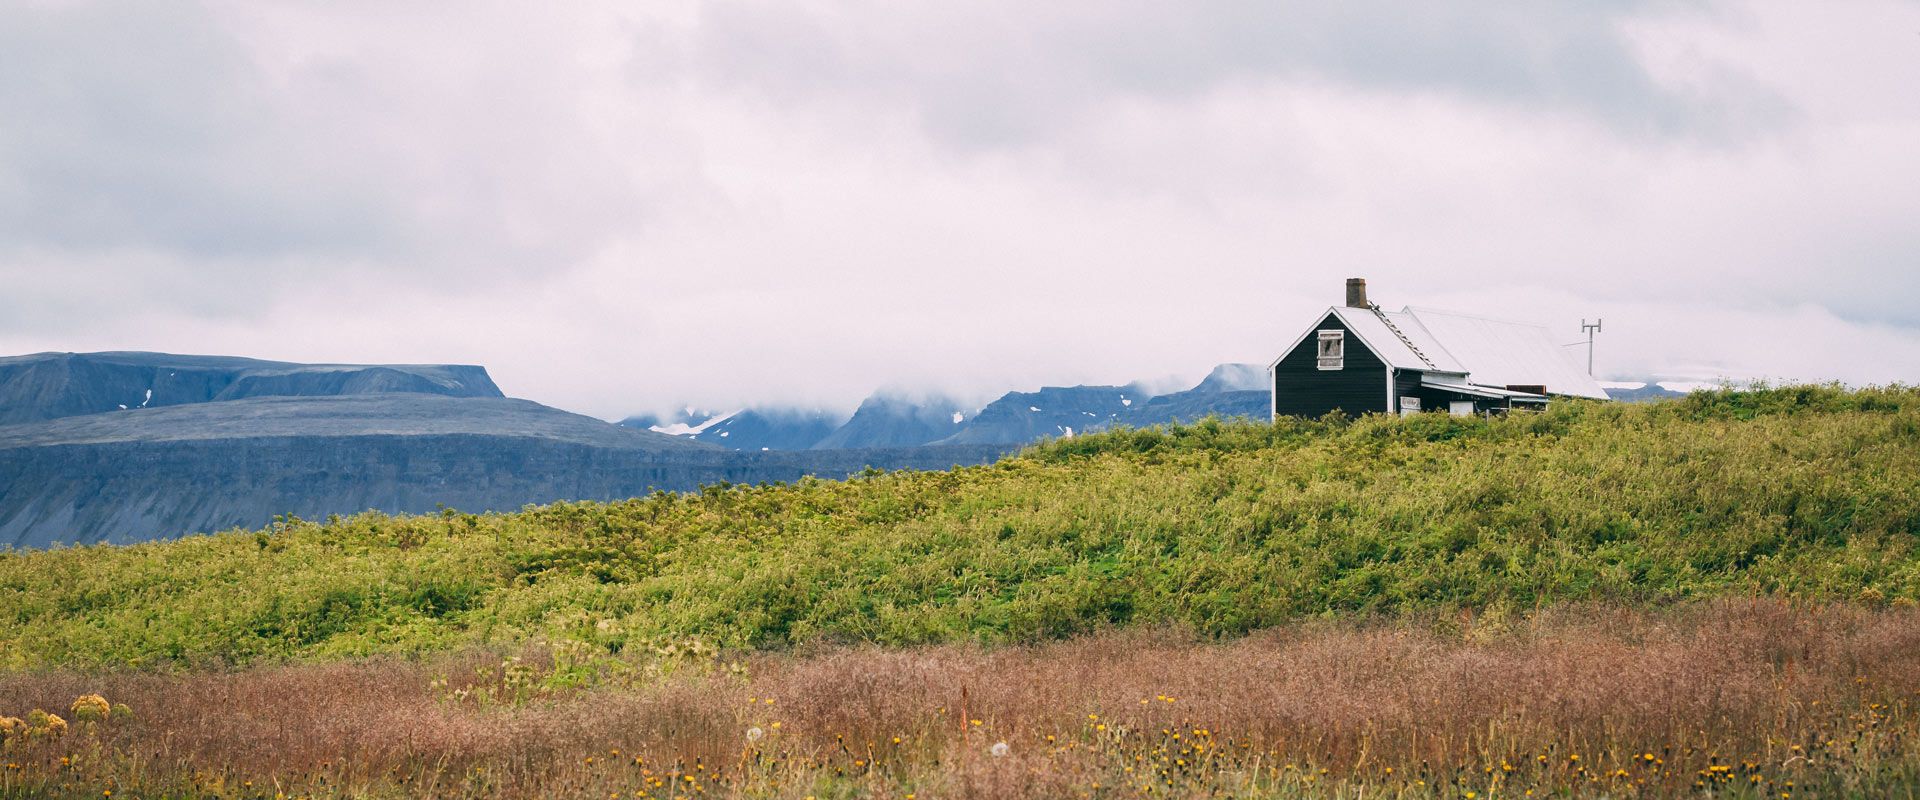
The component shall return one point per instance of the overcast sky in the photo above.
(624, 206)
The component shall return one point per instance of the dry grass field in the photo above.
(1736, 698)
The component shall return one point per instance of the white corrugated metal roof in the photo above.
(1393, 349)
(1499, 353)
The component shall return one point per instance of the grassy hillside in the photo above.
(1804, 492)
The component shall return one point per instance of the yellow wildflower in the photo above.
(90, 707)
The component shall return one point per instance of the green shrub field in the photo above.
(1224, 527)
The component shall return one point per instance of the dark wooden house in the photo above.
(1359, 358)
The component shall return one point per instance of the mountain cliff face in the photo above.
(54, 385)
(162, 472)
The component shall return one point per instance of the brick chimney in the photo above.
(1356, 292)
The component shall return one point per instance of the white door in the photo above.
(1460, 408)
(1409, 405)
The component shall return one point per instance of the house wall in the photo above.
(1302, 389)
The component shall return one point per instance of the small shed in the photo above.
(1359, 358)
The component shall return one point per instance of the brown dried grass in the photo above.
(1731, 682)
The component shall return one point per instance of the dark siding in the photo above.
(1407, 384)
(1302, 389)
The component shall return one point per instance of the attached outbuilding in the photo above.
(1359, 358)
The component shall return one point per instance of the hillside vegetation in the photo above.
(1801, 492)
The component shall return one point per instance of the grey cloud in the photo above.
(220, 169)
(1006, 73)
(143, 125)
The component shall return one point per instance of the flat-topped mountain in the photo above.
(390, 414)
(54, 385)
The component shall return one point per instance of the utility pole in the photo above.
(1589, 328)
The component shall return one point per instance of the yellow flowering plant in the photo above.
(90, 708)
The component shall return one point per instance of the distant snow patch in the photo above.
(683, 429)
(123, 406)
(723, 434)
(958, 417)
(1069, 432)
(1623, 384)
(143, 403)
(1125, 402)
(1689, 386)
(1033, 408)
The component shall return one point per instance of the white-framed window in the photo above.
(1333, 349)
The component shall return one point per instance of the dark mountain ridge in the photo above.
(1053, 411)
(752, 429)
(55, 385)
(772, 429)
(892, 420)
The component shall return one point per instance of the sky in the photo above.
(619, 207)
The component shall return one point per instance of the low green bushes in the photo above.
(1804, 492)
